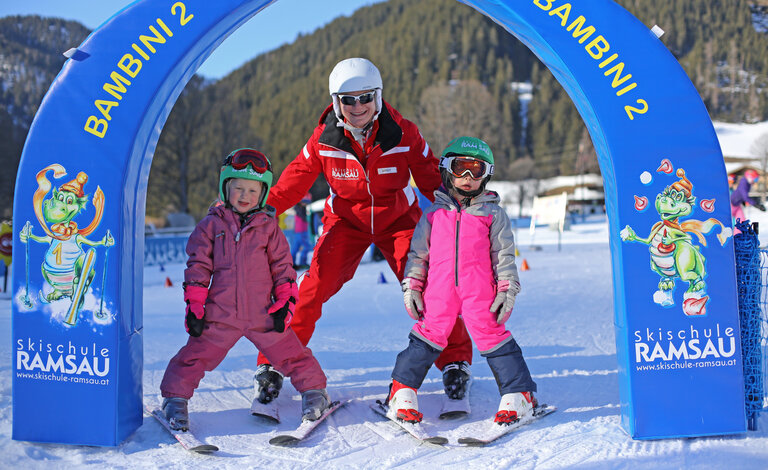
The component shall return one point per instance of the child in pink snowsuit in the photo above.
(240, 282)
(462, 262)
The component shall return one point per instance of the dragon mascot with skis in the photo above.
(673, 251)
(67, 268)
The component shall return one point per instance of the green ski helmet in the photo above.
(247, 164)
(471, 147)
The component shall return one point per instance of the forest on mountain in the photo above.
(444, 65)
(30, 58)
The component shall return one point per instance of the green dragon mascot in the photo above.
(66, 268)
(674, 255)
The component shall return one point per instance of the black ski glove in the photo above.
(282, 309)
(195, 297)
(194, 325)
(759, 206)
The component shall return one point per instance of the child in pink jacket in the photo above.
(240, 282)
(462, 262)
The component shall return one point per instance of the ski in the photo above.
(305, 428)
(187, 439)
(417, 430)
(456, 409)
(80, 288)
(493, 431)
(265, 410)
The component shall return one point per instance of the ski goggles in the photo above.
(461, 166)
(350, 100)
(240, 159)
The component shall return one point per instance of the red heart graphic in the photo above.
(695, 307)
(707, 205)
(665, 167)
(641, 203)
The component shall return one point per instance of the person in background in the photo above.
(239, 282)
(740, 196)
(367, 152)
(300, 244)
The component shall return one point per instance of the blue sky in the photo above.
(276, 25)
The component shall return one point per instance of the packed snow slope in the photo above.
(563, 320)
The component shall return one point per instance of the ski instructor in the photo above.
(367, 152)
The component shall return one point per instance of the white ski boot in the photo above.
(515, 406)
(456, 377)
(176, 413)
(403, 404)
(314, 403)
(267, 384)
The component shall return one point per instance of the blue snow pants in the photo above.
(506, 362)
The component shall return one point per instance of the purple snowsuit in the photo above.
(462, 254)
(240, 265)
(740, 195)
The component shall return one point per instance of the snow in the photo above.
(736, 140)
(567, 339)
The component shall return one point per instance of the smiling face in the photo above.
(62, 206)
(244, 195)
(672, 204)
(358, 115)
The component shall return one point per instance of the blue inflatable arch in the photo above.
(677, 330)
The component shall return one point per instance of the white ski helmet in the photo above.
(354, 74)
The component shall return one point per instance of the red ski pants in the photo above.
(205, 353)
(335, 260)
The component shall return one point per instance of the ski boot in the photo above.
(175, 409)
(514, 406)
(403, 404)
(456, 377)
(267, 383)
(314, 403)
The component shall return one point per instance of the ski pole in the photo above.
(25, 300)
(103, 280)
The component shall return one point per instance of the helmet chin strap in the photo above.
(474, 193)
(355, 130)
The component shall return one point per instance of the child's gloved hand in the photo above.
(414, 301)
(285, 301)
(195, 297)
(504, 301)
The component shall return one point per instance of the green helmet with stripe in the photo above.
(247, 164)
(466, 147)
(470, 147)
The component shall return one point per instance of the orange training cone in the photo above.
(168, 282)
(524, 265)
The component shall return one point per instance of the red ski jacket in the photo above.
(370, 187)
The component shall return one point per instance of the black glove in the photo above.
(759, 206)
(282, 309)
(194, 325)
